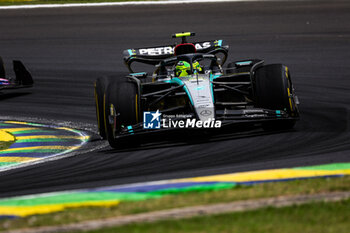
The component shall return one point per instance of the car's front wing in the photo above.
(227, 118)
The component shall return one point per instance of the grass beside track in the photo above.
(31, 2)
(309, 186)
(307, 218)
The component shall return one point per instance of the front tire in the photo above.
(274, 90)
(121, 110)
(100, 91)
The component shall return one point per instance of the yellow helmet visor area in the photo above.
(183, 68)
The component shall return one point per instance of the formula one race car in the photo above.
(23, 77)
(190, 89)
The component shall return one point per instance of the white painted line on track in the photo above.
(55, 156)
(54, 124)
(35, 6)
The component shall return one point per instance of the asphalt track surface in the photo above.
(67, 49)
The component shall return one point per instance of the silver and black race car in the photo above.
(23, 78)
(190, 89)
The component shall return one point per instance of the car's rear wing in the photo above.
(154, 55)
(23, 76)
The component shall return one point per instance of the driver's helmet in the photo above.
(183, 68)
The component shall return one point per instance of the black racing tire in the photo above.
(121, 98)
(274, 90)
(100, 90)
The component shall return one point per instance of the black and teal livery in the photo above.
(244, 92)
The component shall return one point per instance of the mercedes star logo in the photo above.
(205, 113)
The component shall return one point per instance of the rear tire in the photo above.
(274, 90)
(122, 101)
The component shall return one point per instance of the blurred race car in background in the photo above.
(189, 84)
(23, 78)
